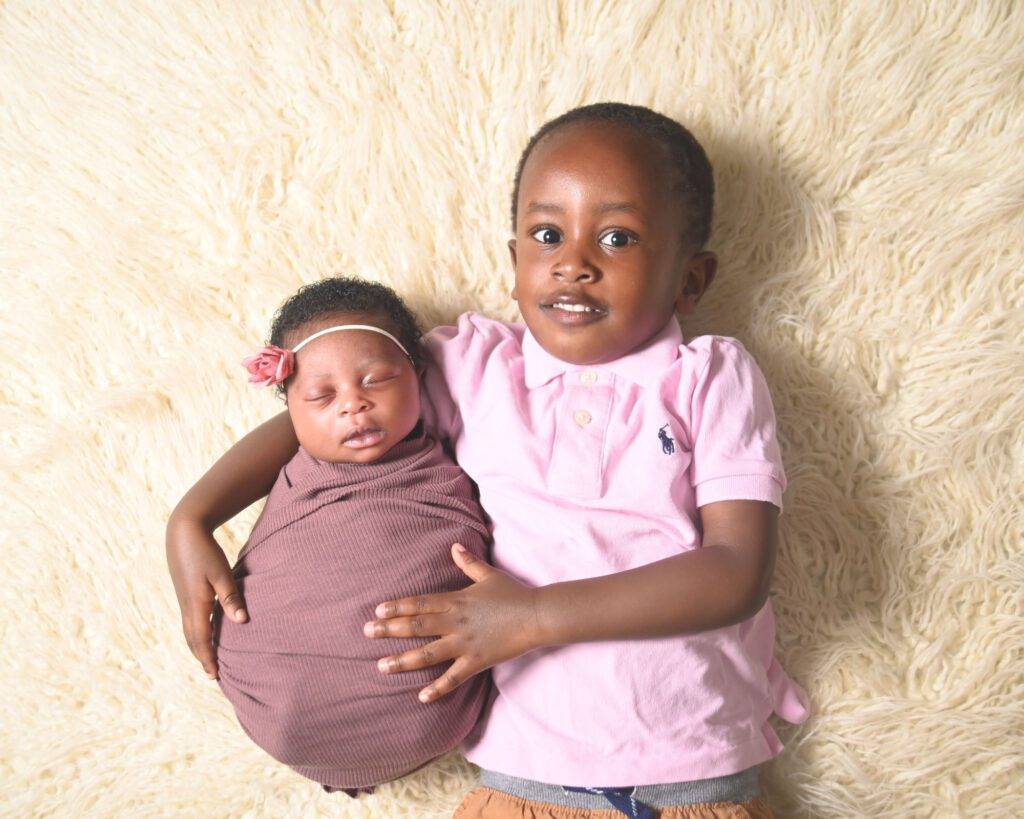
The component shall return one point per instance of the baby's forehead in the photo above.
(345, 352)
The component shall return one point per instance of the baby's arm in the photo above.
(199, 569)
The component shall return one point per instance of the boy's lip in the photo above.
(586, 309)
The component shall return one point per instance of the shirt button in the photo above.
(582, 417)
(589, 377)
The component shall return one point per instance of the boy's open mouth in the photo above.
(573, 308)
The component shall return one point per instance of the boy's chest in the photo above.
(587, 438)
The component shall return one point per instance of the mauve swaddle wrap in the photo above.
(333, 541)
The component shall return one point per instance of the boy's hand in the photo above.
(486, 623)
(200, 571)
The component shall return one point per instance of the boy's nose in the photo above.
(574, 270)
(573, 263)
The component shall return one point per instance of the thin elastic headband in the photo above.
(369, 327)
(272, 365)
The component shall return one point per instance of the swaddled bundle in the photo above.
(333, 540)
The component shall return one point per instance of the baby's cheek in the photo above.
(404, 413)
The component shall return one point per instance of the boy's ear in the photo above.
(698, 273)
(512, 254)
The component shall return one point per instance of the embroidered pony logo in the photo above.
(668, 446)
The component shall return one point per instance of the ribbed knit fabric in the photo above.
(333, 541)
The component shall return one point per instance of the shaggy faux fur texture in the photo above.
(169, 172)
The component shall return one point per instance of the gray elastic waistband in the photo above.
(738, 787)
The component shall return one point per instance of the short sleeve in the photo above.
(735, 451)
(438, 409)
(458, 356)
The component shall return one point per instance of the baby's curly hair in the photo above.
(339, 294)
(695, 183)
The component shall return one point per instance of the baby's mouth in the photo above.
(362, 437)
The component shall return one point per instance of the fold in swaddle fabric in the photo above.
(332, 542)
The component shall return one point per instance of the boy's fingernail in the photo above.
(239, 615)
(459, 547)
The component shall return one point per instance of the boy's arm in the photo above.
(498, 618)
(738, 479)
(722, 583)
(199, 569)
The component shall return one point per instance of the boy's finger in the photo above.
(422, 657)
(199, 636)
(230, 597)
(422, 625)
(473, 566)
(460, 671)
(408, 606)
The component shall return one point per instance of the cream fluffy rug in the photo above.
(169, 172)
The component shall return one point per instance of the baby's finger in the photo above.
(422, 657)
(199, 635)
(229, 596)
(407, 606)
(460, 671)
(422, 625)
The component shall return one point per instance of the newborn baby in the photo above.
(366, 510)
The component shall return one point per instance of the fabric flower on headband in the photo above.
(271, 365)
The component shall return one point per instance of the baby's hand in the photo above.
(486, 623)
(200, 571)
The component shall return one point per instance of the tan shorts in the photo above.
(488, 803)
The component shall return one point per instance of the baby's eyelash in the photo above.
(371, 382)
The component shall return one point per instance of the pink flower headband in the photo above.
(272, 364)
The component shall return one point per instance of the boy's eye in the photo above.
(617, 238)
(547, 235)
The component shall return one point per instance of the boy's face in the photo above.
(354, 393)
(600, 232)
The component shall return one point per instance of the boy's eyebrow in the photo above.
(605, 207)
(610, 206)
(534, 206)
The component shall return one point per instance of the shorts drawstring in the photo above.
(621, 798)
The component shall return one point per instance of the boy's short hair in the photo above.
(695, 183)
(340, 294)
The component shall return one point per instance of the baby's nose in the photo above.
(353, 404)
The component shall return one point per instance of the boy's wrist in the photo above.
(544, 631)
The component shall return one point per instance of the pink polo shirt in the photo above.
(589, 470)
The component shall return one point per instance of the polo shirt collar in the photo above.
(643, 366)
